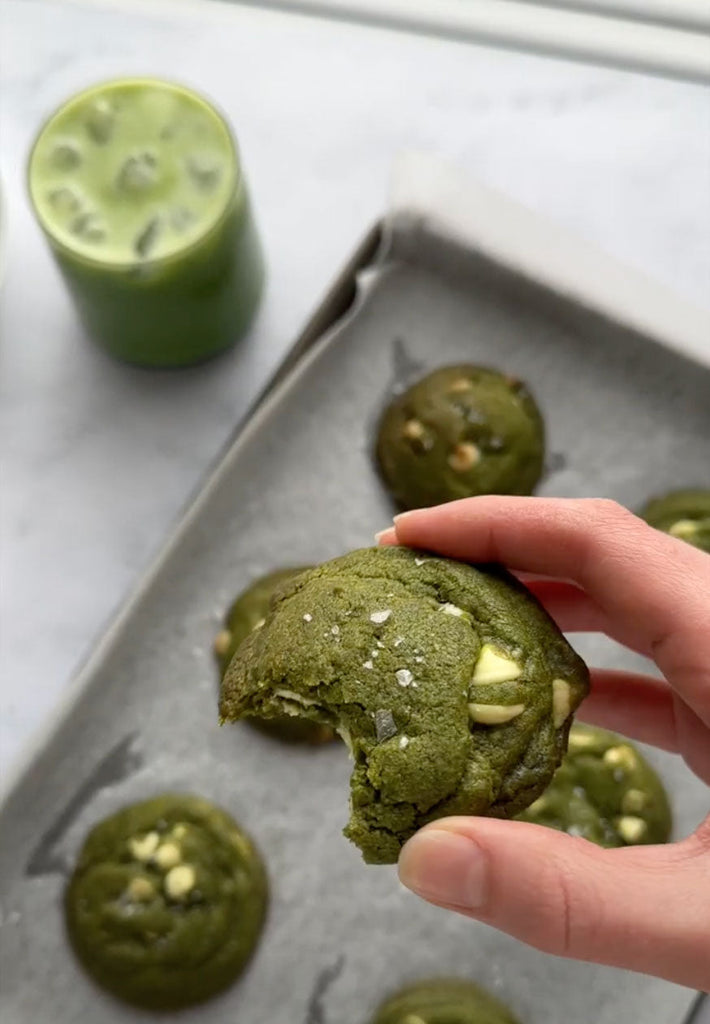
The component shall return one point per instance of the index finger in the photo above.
(655, 587)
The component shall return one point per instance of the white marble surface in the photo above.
(98, 459)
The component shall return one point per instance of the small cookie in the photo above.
(460, 431)
(167, 902)
(604, 791)
(245, 614)
(443, 1001)
(452, 687)
(684, 514)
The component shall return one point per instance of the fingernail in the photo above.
(403, 515)
(444, 867)
(389, 532)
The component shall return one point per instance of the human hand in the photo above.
(646, 908)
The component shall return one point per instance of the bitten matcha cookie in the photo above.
(460, 431)
(605, 791)
(247, 613)
(450, 684)
(683, 514)
(167, 902)
(443, 1001)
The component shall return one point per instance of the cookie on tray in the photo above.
(604, 791)
(443, 1001)
(245, 614)
(684, 514)
(167, 902)
(452, 687)
(460, 431)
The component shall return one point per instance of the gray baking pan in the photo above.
(626, 417)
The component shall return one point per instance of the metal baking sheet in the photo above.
(626, 417)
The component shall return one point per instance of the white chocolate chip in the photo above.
(167, 855)
(296, 697)
(494, 714)
(258, 625)
(464, 456)
(630, 828)
(620, 757)
(222, 642)
(413, 430)
(404, 677)
(345, 736)
(379, 617)
(633, 801)
(494, 666)
(462, 384)
(579, 740)
(179, 881)
(179, 832)
(140, 890)
(453, 609)
(561, 701)
(683, 528)
(144, 847)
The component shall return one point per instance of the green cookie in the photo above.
(683, 514)
(167, 902)
(460, 431)
(443, 1001)
(452, 687)
(246, 614)
(604, 791)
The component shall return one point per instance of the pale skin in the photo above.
(596, 568)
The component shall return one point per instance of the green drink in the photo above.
(136, 183)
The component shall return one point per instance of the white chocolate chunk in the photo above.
(462, 384)
(579, 740)
(413, 430)
(620, 757)
(345, 736)
(145, 846)
(167, 855)
(179, 832)
(683, 528)
(140, 890)
(296, 697)
(222, 642)
(633, 801)
(382, 616)
(179, 881)
(494, 714)
(453, 609)
(494, 666)
(630, 828)
(561, 701)
(538, 805)
(464, 456)
(258, 625)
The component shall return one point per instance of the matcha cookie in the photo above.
(462, 430)
(683, 514)
(443, 1001)
(604, 791)
(166, 903)
(247, 613)
(452, 687)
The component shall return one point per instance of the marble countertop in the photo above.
(99, 459)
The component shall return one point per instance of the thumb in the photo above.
(643, 908)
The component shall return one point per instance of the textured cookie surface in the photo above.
(604, 791)
(461, 430)
(452, 687)
(167, 902)
(245, 614)
(443, 1001)
(683, 514)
